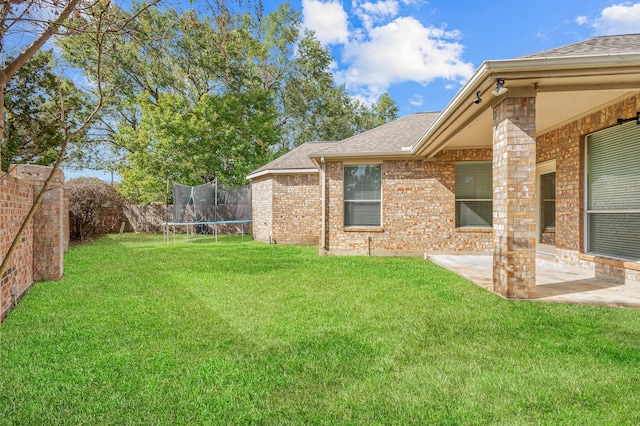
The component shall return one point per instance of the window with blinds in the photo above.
(474, 194)
(363, 195)
(613, 192)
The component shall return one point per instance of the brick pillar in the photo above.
(514, 197)
(48, 222)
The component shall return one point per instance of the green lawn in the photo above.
(143, 332)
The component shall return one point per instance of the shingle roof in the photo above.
(605, 45)
(297, 158)
(391, 137)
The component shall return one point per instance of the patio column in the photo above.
(514, 196)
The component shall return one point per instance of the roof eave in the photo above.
(280, 172)
(363, 154)
(484, 79)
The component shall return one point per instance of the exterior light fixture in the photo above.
(626, 120)
(500, 89)
(477, 100)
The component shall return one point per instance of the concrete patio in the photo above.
(555, 282)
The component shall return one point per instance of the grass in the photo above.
(143, 332)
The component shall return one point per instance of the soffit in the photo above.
(562, 96)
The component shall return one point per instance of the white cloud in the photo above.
(327, 19)
(623, 18)
(379, 49)
(581, 20)
(540, 34)
(372, 13)
(416, 100)
(401, 51)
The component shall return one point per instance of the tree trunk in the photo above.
(3, 84)
(12, 67)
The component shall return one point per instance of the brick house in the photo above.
(534, 154)
(285, 198)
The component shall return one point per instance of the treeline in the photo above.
(197, 95)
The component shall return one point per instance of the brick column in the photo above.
(514, 197)
(48, 222)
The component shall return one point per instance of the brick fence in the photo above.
(40, 255)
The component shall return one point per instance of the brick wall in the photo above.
(296, 208)
(262, 208)
(16, 197)
(286, 208)
(567, 146)
(40, 253)
(419, 201)
(418, 210)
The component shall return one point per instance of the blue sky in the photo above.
(422, 52)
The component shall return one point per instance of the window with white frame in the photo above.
(363, 195)
(474, 194)
(613, 192)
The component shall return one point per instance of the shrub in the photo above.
(95, 208)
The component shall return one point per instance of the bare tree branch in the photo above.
(102, 32)
(37, 44)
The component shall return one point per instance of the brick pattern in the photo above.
(419, 200)
(42, 247)
(16, 198)
(48, 222)
(418, 210)
(514, 198)
(566, 145)
(262, 208)
(67, 227)
(286, 208)
(296, 209)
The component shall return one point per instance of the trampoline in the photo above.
(205, 209)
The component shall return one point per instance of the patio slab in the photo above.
(555, 281)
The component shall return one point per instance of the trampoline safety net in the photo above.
(211, 203)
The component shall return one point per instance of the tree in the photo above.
(34, 99)
(383, 111)
(220, 137)
(22, 17)
(37, 21)
(215, 95)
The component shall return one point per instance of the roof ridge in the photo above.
(594, 46)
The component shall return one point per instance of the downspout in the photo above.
(324, 204)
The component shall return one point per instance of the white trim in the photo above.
(323, 176)
(463, 200)
(585, 198)
(517, 69)
(344, 201)
(363, 155)
(587, 237)
(280, 172)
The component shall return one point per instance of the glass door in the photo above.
(546, 217)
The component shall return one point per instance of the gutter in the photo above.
(323, 240)
(280, 172)
(363, 154)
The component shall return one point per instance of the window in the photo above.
(474, 194)
(362, 195)
(613, 192)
